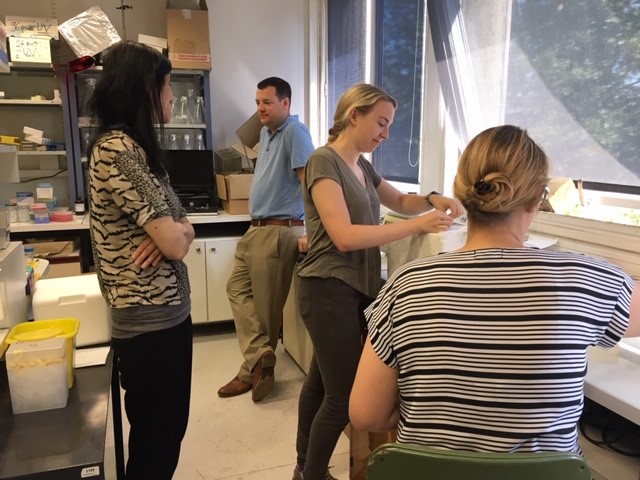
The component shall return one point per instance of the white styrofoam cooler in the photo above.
(77, 297)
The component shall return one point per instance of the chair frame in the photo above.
(393, 461)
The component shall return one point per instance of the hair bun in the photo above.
(483, 187)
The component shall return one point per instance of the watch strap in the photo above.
(428, 197)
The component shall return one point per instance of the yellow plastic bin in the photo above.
(44, 329)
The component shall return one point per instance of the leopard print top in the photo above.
(124, 195)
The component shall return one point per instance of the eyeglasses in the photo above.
(545, 193)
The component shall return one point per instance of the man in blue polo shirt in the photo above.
(266, 255)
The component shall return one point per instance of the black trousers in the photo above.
(333, 314)
(155, 373)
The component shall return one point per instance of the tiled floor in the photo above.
(234, 438)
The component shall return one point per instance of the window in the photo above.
(400, 27)
(346, 53)
(574, 80)
(398, 65)
(569, 72)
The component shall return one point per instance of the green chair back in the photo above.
(393, 461)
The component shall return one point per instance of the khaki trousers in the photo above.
(258, 288)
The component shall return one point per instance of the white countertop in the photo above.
(78, 223)
(613, 382)
(221, 217)
(82, 222)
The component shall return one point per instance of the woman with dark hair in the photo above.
(139, 235)
(485, 348)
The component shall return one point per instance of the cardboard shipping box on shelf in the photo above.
(63, 257)
(249, 135)
(242, 155)
(233, 190)
(188, 37)
(157, 43)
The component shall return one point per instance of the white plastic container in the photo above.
(76, 297)
(37, 373)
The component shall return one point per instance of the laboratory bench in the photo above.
(63, 443)
(221, 225)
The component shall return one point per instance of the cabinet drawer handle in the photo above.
(212, 249)
(198, 249)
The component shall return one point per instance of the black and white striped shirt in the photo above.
(490, 345)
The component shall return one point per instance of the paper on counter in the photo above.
(608, 356)
(539, 241)
(87, 357)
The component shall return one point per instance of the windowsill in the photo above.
(615, 242)
(609, 207)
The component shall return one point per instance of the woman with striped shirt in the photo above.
(485, 348)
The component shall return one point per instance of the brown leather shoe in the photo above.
(263, 377)
(233, 388)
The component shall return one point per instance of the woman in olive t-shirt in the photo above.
(340, 275)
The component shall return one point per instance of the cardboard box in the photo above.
(227, 160)
(54, 249)
(160, 44)
(188, 38)
(9, 140)
(249, 135)
(233, 190)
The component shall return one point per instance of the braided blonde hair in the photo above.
(361, 97)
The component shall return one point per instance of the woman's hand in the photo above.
(147, 254)
(446, 204)
(433, 221)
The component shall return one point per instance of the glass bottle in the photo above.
(183, 116)
(174, 114)
(87, 93)
(191, 106)
(85, 143)
(186, 142)
(198, 116)
(173, 142)
(78, 206)
(199, 141)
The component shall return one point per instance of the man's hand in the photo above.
(147, 254)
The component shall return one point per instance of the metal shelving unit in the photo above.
(182, 80)
(18, 110)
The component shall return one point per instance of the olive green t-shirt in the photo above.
(358, 268)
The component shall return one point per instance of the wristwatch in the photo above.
(427, 198)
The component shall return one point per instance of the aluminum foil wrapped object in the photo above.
(89, 33)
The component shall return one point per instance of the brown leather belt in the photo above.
(291, 222)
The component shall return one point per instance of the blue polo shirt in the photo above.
(275, 190)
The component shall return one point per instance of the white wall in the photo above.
(252, 40)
